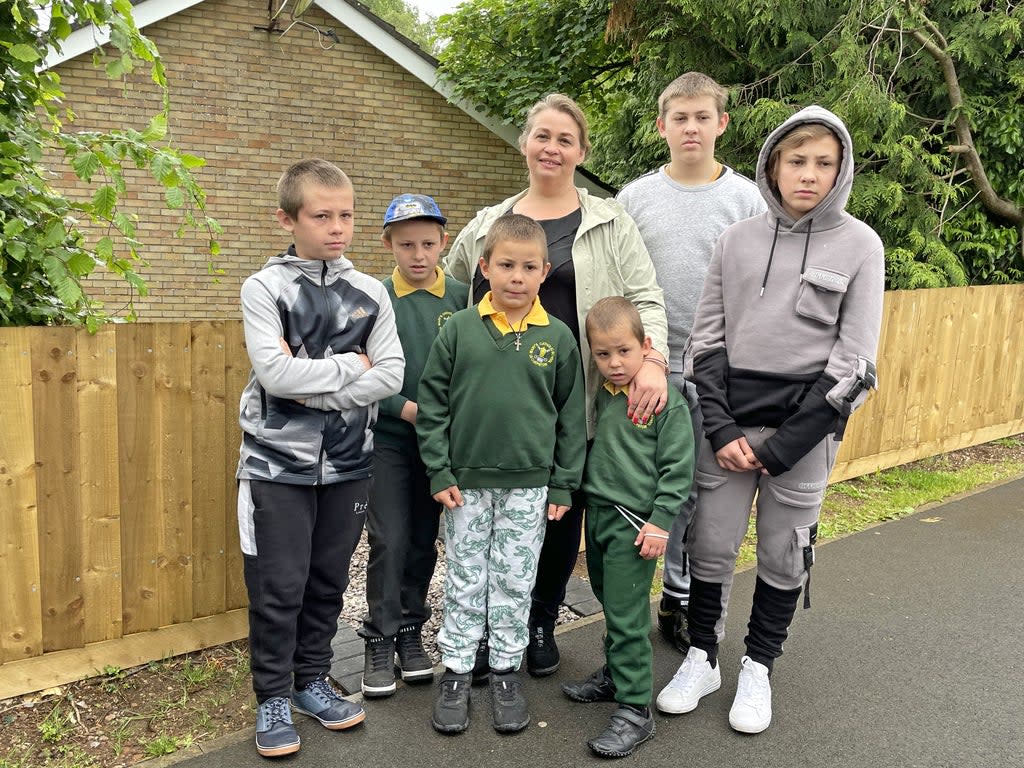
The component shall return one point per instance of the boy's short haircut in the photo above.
(792, 140)
(292, 184)
(560, 103)
(692, 85)
(521, 229)
(613, 312)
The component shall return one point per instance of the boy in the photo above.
(501, 400)
(402, 522)
(681, 209)
(321, 338)
(638, 475)
(783, 350)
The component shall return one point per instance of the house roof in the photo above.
(362, 22)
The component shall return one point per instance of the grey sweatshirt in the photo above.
(790, 312)
(328, 313)
(679, 225)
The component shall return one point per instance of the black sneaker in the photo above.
(379, 667)
(413, 661)
(508, 706)
(481, 664)
(451, 710)
(673, 623)
(597, 687)
(542, 658)
(628, 728)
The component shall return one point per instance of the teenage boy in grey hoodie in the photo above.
(782, 351)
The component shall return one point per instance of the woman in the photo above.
(595, 251)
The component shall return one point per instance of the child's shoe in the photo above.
(752, 708)
(378, 667)
(275, 734)
(694, 679)
(508, 705)
(628, 728)
(542, 657)
(451, 710)
(413, 661)
(481, 664)
(319, 700)
(598, 687)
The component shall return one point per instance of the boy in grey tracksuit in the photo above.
(782, 351)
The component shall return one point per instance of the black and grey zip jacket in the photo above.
(786, 330)
(307, 416)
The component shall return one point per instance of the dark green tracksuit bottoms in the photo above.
(621, 580)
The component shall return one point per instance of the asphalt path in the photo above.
(906, 658)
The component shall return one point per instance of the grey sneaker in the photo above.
(451, 710)
(413, 661)
(378, 667)
(275, 734)
(508, 705)
(320, 701)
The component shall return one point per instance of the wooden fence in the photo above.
(118, 540)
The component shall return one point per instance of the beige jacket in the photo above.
(609, 258)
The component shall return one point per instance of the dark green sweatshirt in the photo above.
(646, 468)
(491, 416)
(419, 315)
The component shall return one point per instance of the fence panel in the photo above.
(118, 532)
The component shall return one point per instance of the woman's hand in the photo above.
(648, 392)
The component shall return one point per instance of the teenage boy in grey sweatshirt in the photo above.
(782, 351)
(680, 209)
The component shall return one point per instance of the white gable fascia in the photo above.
(85, 39)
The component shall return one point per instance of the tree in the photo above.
(406, 20)
(933, 92)
(44, 252)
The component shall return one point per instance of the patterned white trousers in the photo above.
(492, 543)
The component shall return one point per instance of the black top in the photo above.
(558, 291)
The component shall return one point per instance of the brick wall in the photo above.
(252, 102)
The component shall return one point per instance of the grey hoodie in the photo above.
(789, 316)
(328, 313)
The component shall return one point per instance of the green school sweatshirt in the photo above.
(492, 416)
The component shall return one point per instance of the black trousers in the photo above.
(401, 528)
(305, 536)
(557, 559)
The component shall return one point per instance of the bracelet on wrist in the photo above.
(656, 361)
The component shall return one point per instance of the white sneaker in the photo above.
(752, 708)
(694, 678)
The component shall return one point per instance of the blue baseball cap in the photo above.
(405, 207)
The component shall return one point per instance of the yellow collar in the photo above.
(536, 315)
(402, 287)
(616, 390)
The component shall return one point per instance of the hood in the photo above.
(830, 211)
(312, 268)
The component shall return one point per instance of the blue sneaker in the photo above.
(275, 734)
(321, 701)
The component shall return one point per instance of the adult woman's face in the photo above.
(552, 148)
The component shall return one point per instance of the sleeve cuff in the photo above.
(560, 496)
(770, 461)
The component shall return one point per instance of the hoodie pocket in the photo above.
(821, 294)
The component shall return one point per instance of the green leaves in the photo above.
(43, 252)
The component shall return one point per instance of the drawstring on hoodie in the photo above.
(771, 253)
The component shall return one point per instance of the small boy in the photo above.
(783, 351)
(637, 477)
(322, 341)
(402, 522)
(501, 400)
(680, 210)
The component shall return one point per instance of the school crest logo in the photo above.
(542, 354)
(645, 423)
(443, 318)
